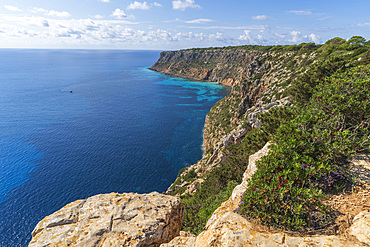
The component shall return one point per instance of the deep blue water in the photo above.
(123, 128)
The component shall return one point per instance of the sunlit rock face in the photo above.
(112, 220)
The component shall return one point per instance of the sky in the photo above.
(177, 24)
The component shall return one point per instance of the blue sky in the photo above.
(177, 24)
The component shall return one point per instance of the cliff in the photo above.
(217, 65)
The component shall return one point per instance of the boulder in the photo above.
(127, 219)
(361, 227)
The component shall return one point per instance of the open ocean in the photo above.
(123, 128)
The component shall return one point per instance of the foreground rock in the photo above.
(112, 220)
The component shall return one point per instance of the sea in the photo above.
(75, 123)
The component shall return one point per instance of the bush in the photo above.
(309, 158)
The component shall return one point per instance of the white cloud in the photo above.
(246, 36)
(98, 16)
(104, 1)
(271, 36)
(50, 32)
(259, 17)
(36, 31)
(176, 20)
(366, 24)
(183, 4)
(138, 5)
(198, 21)
(254, 27)
(314, 38)
(119, 14)
(157, 4)
(38, 21)
(300, 12)
(54, 13)
(12, 8)
(24, 21)
(36, 10)
(61, 14)
(296, 36)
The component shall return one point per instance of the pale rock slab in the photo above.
(113, 219)
(361, 227)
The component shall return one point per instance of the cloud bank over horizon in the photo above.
(159, 25)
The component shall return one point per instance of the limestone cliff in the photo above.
(218, 65)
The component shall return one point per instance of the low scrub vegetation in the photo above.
(309, 157)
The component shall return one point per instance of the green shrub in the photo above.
(309, 158)
(190, 175)
(213, 202)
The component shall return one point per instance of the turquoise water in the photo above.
(123, 128)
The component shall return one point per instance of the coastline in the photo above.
(187, 77)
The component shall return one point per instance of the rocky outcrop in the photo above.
(112, 220)
(227, 228)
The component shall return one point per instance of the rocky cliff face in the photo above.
(218, 65)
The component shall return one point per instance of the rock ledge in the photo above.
(112, 220)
